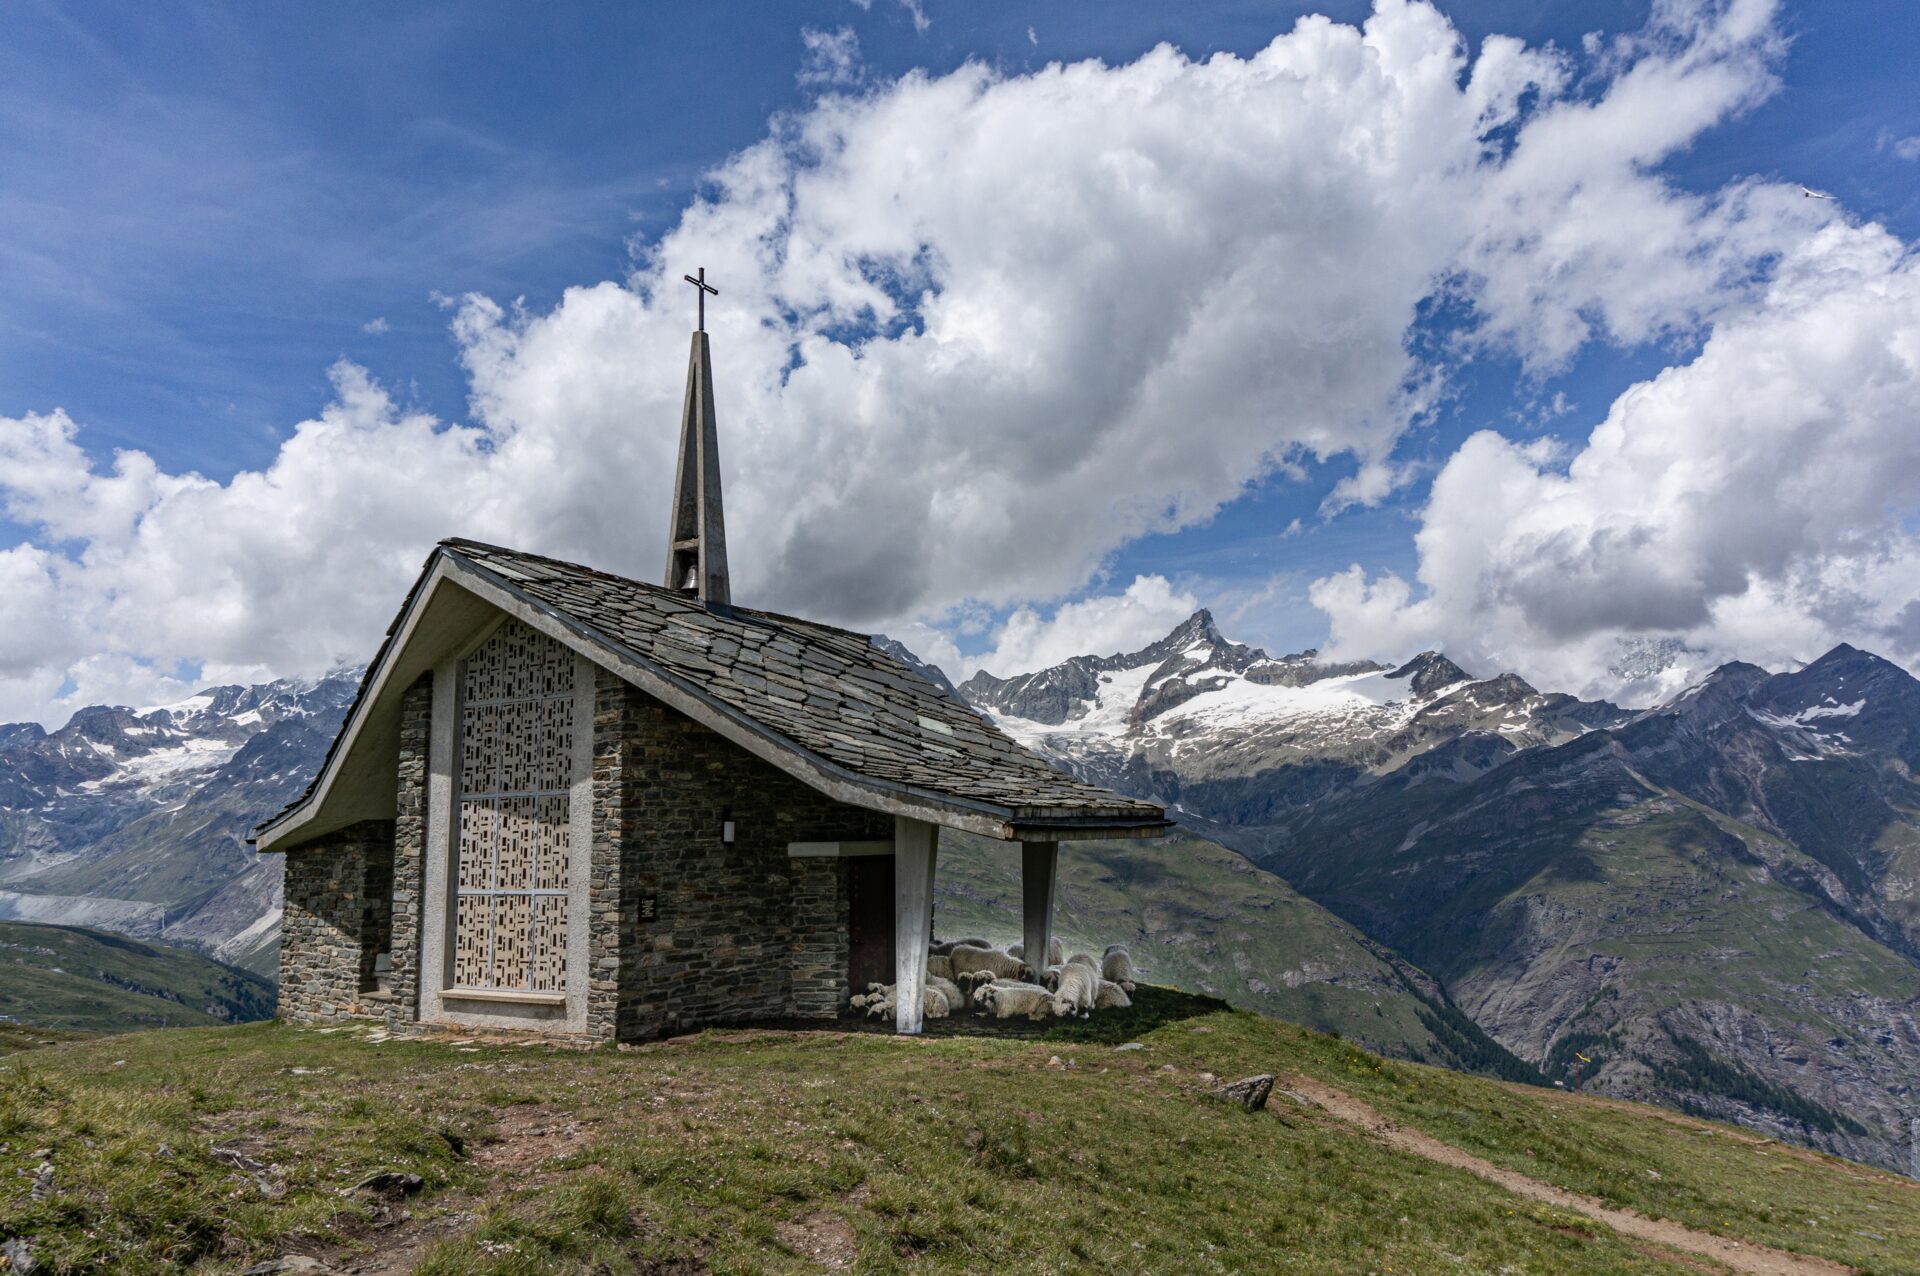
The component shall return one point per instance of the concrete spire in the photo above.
(697, 540)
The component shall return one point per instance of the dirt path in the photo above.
(1741, 1256)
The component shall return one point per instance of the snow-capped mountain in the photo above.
(1195, 708)
(135, 819)
(1732, 874)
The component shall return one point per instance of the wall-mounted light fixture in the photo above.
(726, 826)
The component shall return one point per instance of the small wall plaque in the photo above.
(649, 907)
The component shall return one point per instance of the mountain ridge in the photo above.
(1568, 869)
(136, 818)
(1556, 872)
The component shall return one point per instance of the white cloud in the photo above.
(1761, 501)
(975, 332)
(832, 58)
(376, 326)
(1100, 626)
(1906, 148)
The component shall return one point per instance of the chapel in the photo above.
(587, 806)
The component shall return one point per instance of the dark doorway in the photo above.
(869, 921)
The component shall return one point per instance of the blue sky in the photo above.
(204, 209)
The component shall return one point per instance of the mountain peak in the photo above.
(14, 733)
(1429, 671)
(905, 655)
(1846, 657)
(1198, 627)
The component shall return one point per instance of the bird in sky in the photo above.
(1814, 194)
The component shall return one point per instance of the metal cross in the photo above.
(704, 288)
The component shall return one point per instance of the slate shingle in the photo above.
(829, 691)
(825, 691)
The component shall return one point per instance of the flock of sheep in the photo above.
(972, 975)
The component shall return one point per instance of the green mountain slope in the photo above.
(1572, 904)
(778, 1152)
(68, 977)
(1198, 916)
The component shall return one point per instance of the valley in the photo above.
(1713, 901)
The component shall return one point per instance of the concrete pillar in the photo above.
(1039, 864)
(437, 911)
(914, 845)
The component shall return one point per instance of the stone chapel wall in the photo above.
(739, 932)
(325, 946)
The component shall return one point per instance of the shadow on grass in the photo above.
(1152, 1008)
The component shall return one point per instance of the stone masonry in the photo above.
(820, 908)
(323, 953)
(376, 907)
(726, 942)
(410, 847)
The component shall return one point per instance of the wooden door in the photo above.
(869, 921)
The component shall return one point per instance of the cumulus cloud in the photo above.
(1761, 501)
(1100, 626)
(975, 332)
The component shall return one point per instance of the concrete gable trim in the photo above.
(379, 694)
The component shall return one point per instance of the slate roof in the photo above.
(828, 692)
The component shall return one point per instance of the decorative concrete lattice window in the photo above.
(516, 765)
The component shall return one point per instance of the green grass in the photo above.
(16, 1037)
(1708, 1175)
(82, 980)
(728, 1151)
(1197, 916)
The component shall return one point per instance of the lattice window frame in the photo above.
(514, 766)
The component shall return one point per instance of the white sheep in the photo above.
(942, 947)
(939, 965)
(1118, 967)
(1053, 951)
(956, 1000)
(1007, 998)
(1077, 990)
(1051, 976)
(935, 1003)
(969, 960)
(1111, 996)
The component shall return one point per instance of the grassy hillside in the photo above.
(15, 1037)
(1200, 917)
(1569, 904)
(83, 980)
(759, 1151)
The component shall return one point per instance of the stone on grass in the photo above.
(1249, 1092)
(286, 1263)
(388, 1183)
(19, 1257)
(1131, 1045)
